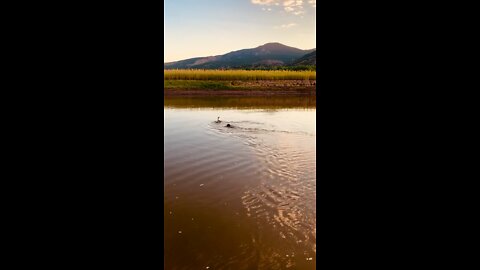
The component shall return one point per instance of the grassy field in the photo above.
(242, 75)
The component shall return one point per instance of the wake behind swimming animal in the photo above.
(218, 120)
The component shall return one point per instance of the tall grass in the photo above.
(250, 75)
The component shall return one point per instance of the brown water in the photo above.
(242, 197)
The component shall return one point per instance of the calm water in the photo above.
(242, 197)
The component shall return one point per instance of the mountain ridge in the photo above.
(269, 54)
(307, 59)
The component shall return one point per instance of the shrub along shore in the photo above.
(239, 82)
(244, 75)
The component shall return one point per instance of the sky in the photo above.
(198, 28)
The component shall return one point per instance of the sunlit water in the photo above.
(241, 197)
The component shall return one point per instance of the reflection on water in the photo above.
(241, 197)
(267, 102)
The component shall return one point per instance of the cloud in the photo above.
(290, 6)
(293, 6)
(264, 2)
(286, 25)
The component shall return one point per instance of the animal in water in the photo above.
(218, 120)
(229, 126)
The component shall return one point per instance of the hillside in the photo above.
(270, 54)
(309, 59)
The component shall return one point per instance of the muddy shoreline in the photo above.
(242, 92)
(247, 88)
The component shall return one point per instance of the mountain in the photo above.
(308, 59)
(270, 54)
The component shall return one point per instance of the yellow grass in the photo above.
(198, 74)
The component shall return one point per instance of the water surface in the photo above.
(242, 197)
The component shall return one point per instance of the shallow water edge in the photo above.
(241, 102)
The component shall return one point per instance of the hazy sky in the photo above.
(195, 28)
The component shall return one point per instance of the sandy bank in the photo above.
(240, 88)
